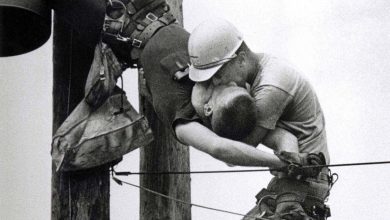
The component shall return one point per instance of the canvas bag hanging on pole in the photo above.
(104, 126)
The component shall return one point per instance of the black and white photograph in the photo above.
(194, 109)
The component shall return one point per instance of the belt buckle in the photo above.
(152, 17)
(136, 43)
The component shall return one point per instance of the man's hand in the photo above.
(298, 162)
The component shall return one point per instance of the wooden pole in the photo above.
(81, 195)
(164, 154)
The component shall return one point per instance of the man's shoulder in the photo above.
(276, 65)
(277, 72)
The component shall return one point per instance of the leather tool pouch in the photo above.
(102, 129)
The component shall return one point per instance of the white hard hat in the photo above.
(211, 44)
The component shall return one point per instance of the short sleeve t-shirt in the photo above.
(285, 99)
(165, 53)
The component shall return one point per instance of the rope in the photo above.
(245, 170)
(121, 182)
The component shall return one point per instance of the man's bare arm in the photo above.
(256, 136)
(281, 140)
(226, 150)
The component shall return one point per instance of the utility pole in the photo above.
(85, 195)
(164, 154)
(75, 195)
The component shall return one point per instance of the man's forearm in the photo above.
(240, 154)
(228, 151)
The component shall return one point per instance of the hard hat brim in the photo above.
(200, 75)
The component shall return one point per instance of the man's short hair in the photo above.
(236, 118)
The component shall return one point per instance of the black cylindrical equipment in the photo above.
(24, 25)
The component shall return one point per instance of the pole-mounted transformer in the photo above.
(24, 25)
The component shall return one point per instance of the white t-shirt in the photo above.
(285, 99)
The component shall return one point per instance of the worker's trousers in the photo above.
(291, 199)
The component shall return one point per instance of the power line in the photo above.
(120, 182)
(246, 170)
(190, 172)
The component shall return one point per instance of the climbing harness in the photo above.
(125, 24)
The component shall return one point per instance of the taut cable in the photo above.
(126, 173)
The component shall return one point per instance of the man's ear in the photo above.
(241, 57)
(200, 95)
(208, 110)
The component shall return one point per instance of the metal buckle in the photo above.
(136, 43)
(152, 17)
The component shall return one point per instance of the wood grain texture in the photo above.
(164, 154)
(81, 195)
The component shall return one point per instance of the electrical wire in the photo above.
(121, 182)
(126, 173)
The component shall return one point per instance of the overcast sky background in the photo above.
(343, 47)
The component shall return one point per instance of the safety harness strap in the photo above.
(153, 22)
(135, 28)
(146, 9)
(291, 197)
